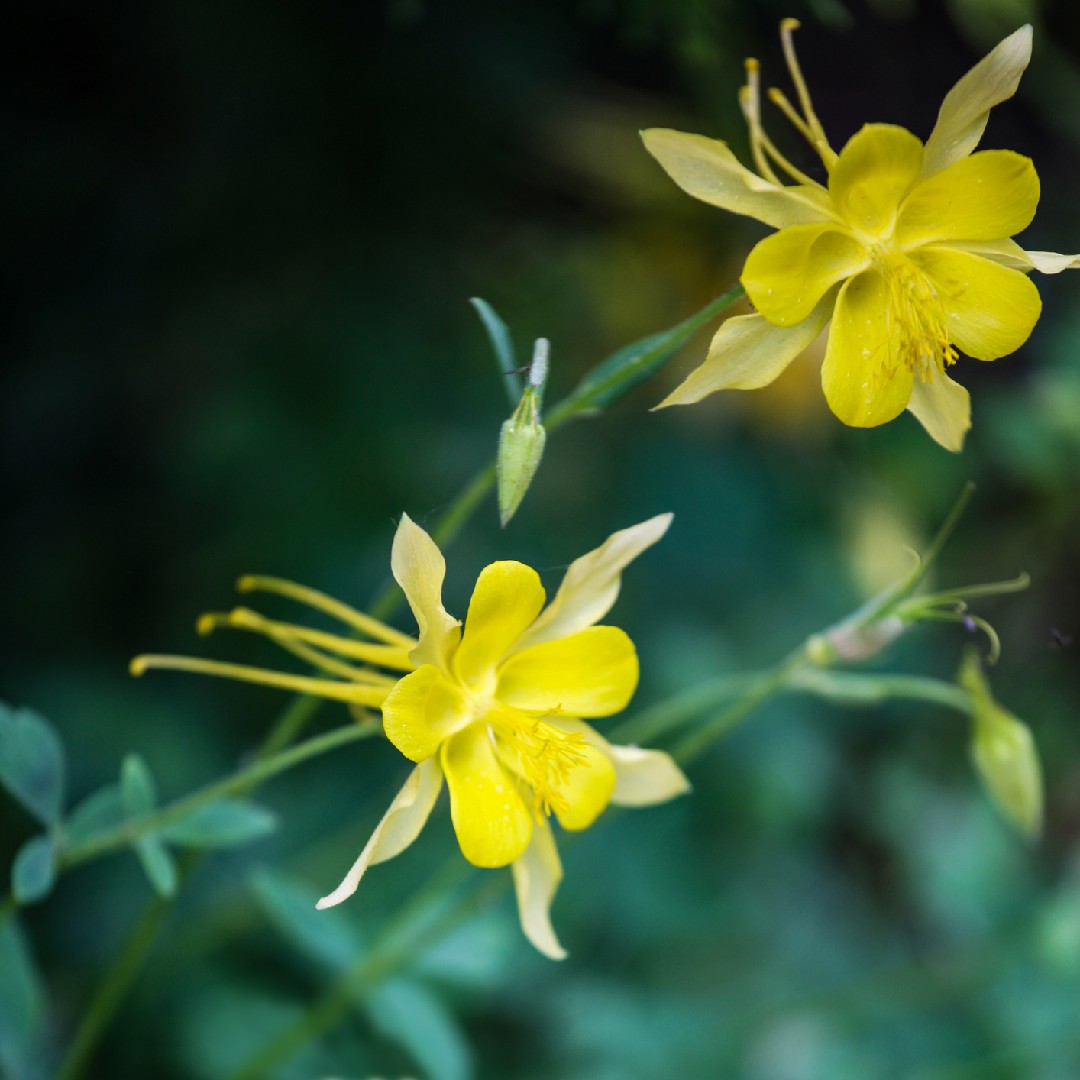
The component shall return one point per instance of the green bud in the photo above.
(1003, 752)
(521, 446)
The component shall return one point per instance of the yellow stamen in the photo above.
(916, 322)
(545, 756)
(779, 99)
(337, 691)
(390, 656)
(750, 103)
(796, 174)
(360, 622)
(818, 138)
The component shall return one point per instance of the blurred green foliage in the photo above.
(241, 243)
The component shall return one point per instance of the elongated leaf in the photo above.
(97, 813)
(632, 364)
(324, 936)
(158, 865)
(221, 824)
(22, 1002)
(502, 346)
(32, 763)
(137, 787)
(34, 870)
(413, 1016)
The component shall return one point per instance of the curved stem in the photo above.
(257, 773)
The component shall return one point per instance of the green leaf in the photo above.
(97, 813)
(158, 865)
(410, 1014)
(22, 1003)
(502, 346)
(34, 870)
(221, 824)
(324, 936)
(632, 364)
(32, 763)
(137, 787)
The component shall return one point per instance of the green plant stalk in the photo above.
(258, 772)
(112, 989)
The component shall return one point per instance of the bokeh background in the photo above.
(241, 239)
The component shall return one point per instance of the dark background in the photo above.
(240, 243)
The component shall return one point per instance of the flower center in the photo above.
(917, 333)
(543, 755)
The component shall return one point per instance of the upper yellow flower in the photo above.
(905, 249)
(495, 708)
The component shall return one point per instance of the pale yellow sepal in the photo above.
(963, 114)
(943, 407)
(708, 170)
(400, 826)
(1010, 253)
(419, 568)
(590, 585)
(642, 777)
(749, 352)
(537, 874)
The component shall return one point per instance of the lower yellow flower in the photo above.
(905, 250)
(496, 709)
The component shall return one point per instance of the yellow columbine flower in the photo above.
(905, 248)
(496, 708)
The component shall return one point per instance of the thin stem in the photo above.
(663, 717)
(113, 988)
(257, 773)
(692, 745)
(847, 688)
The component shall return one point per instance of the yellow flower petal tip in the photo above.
(902, 249)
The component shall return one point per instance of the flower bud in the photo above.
(1003, 752)
(521, 445)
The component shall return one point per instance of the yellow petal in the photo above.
(422, 711)
(591, 583)
(507, 598)
(788, 273)
(419, 569)
(588, 786)
(943, 408)
(748, 352)
(987, 196)
(642, 777)
(962, 117)
(400, 826)
(708, 170)
(859, 353)
(536, 878)
(874, 172)
(490, 818)
(990, 310)
(591, 673)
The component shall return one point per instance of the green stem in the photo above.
(848, 688)
(692, 745)
(257, 773)
(662, 718)
(113, 988)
